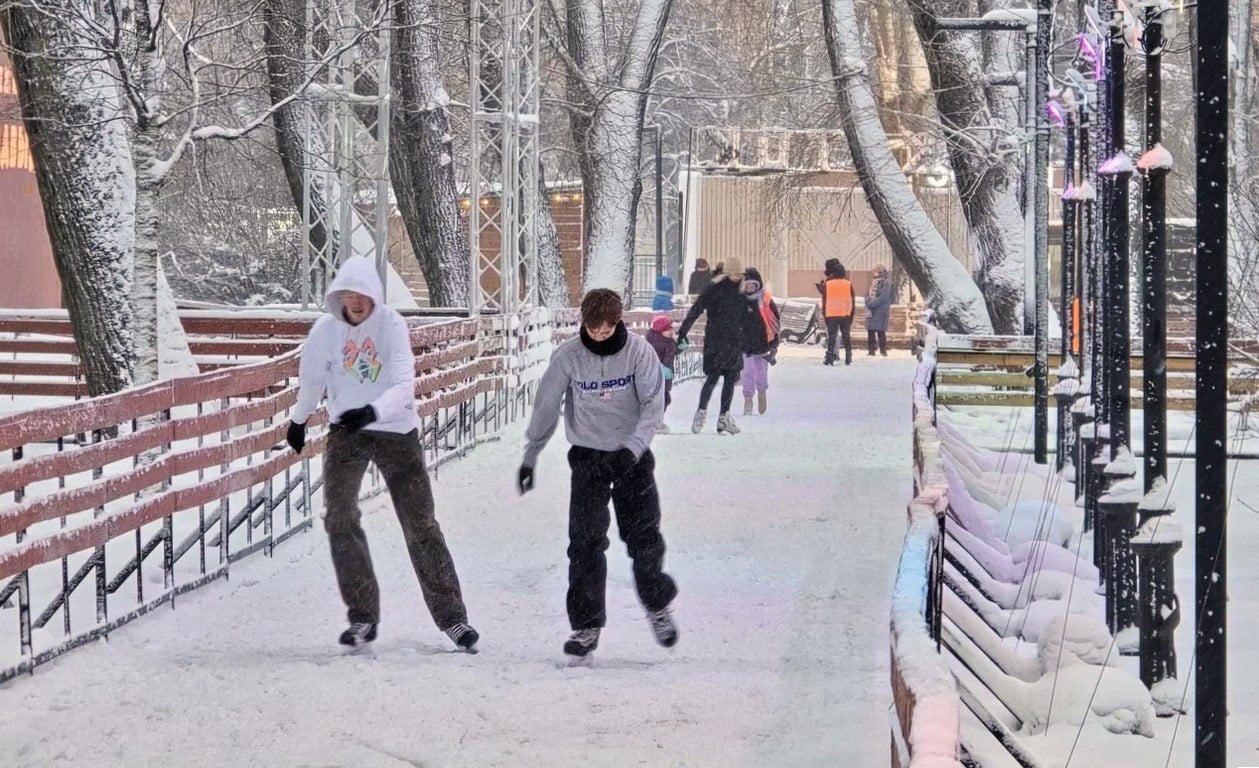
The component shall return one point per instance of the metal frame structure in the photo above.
(347, 144)
(503, 148)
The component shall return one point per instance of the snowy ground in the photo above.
(783, 540)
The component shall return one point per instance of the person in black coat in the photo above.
(730, 313)
(701, 278)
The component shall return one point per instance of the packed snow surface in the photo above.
(784, 541)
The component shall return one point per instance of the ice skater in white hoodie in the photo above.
(360, 355)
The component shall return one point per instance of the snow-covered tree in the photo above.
(161, 68)
(609, 75)
(420, 156)
(959, 305)
(82, 157)
(983, 157)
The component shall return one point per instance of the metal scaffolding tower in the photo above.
(503, 178)
(345, 179)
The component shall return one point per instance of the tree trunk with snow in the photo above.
(552, 285)
(610, 89)
(71, 108)
(420, 157)
(914, 239)
(298, 140)
(980, 155)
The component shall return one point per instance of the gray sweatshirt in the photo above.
(614, 401)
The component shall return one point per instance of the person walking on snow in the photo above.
(725, 341)
(762, 343)
(701, 278)
(660, 337)
(359, 353)
(879, 300)
(610, 387)
(839, 299)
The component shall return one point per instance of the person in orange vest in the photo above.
(839, 299)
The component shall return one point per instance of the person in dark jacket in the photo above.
(879, 300)
(660, 337)
(725, 340)
(662, 299)
(701, 278)
(762, 342)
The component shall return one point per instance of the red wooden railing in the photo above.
(94, 488)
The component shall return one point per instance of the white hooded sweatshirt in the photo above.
(366, 364)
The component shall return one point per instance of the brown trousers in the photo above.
(400, 459)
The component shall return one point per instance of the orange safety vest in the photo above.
(838, 299)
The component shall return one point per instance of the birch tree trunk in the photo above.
(986, 179)
(420, 156)
(610, 89)
(71, 107)
(914, 239)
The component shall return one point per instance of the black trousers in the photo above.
(729, 380)
(637, 506)
(878, 338)
(836, 327)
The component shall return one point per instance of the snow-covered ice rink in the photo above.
(783, 540)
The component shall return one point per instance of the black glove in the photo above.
(524, 479)
(615, 465)
(296, 436)
(356, 418)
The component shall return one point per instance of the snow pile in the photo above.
(1031, 520)
(1156, 158)
(1118, 165)
(1117, 700)
(1073, 639)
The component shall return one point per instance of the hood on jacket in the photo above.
(752, 282)
(664, 283)
(358, 274)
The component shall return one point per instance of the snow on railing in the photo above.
(926, 730)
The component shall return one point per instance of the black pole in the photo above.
(1211, 463)
(1040, 199)
(659, 202)
(1117, 312)
(1069, 208)
(1066, 289)
(1154, 266)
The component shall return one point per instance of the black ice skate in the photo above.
(663, 627)
(359, 633)
(463, 636)
(582, 642)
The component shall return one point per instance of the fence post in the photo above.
(1117, 512)
(1155, 544)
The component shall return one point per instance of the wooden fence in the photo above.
(196, 468)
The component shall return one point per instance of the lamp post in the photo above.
(1036, 26)
(1211, 374)
(1154, 166)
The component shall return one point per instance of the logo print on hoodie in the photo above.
(361, 361)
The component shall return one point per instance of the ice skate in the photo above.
(697, 424)
(359, 633)
(725, 423)
(582, 642)
(463, 636)
(663, 628)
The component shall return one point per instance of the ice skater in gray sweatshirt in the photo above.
(609, 384)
